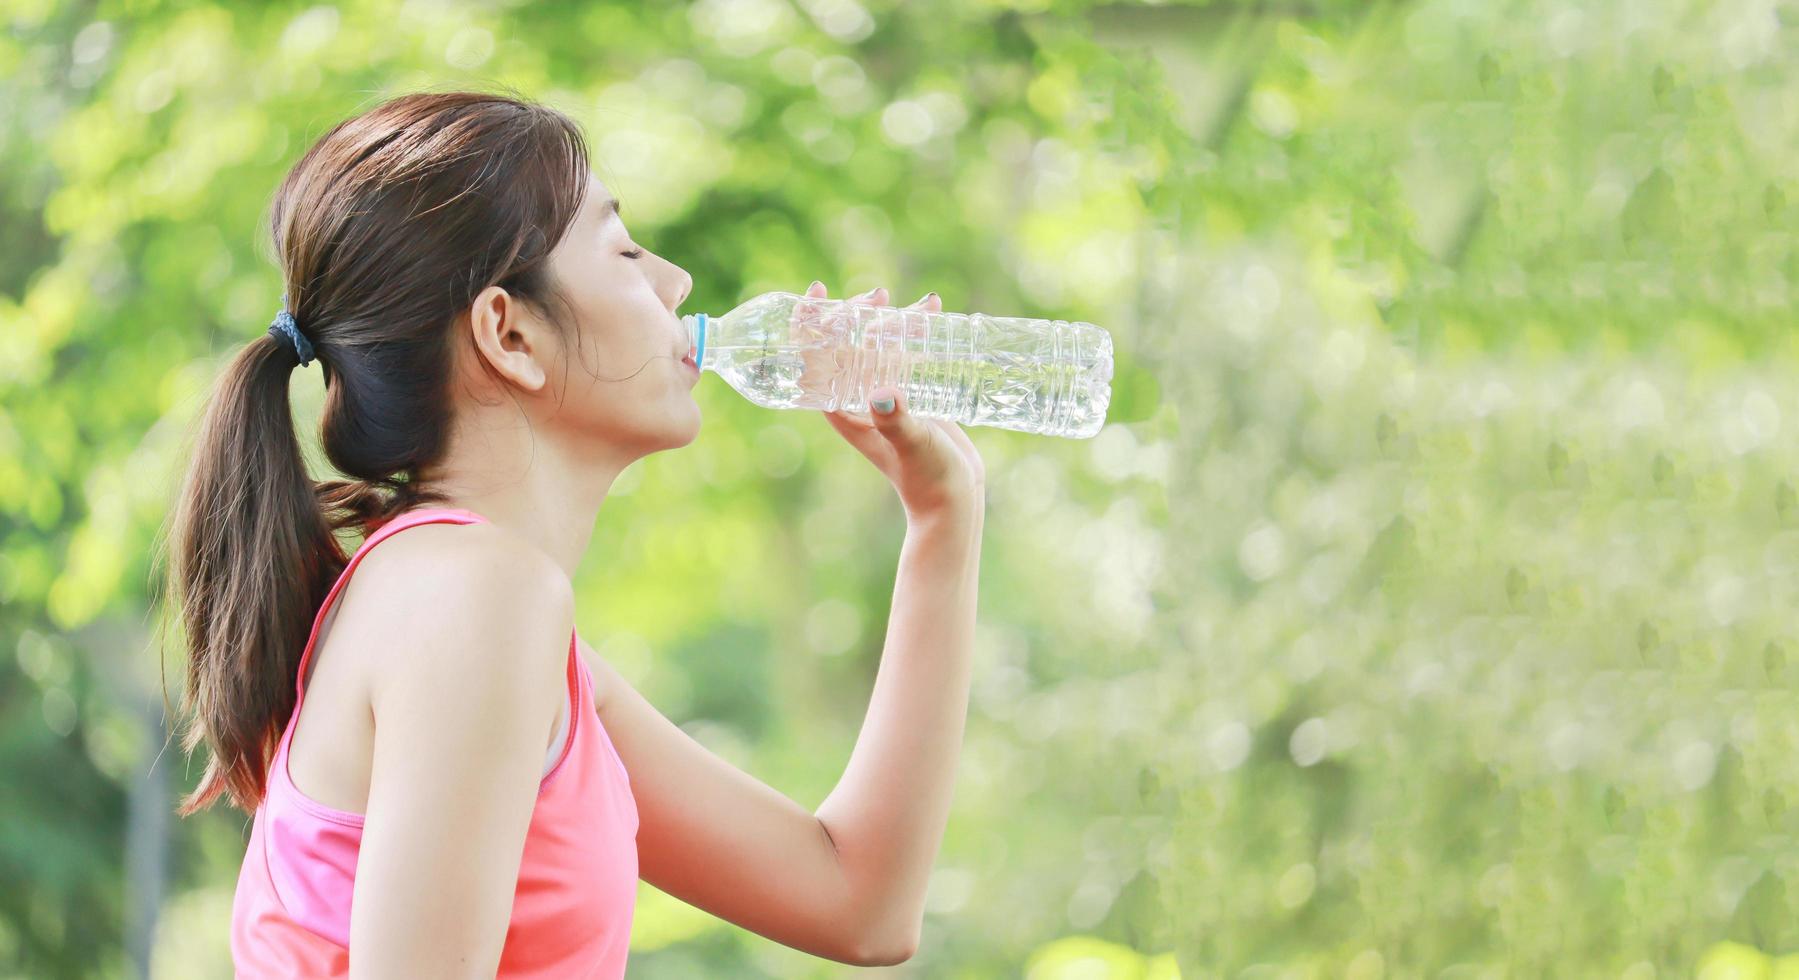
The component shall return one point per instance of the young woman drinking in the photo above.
(446, 780)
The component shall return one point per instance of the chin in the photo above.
(689, 430)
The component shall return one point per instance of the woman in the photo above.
(446, 781)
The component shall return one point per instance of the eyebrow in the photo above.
(609, 208)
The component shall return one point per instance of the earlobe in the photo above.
(505, 340)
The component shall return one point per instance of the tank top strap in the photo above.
(411, 518)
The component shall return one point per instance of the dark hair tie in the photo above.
(285, 327)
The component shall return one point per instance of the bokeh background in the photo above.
(1423, 610)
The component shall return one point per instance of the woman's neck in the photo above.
(529, 486)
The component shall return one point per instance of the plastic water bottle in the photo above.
(785, 350)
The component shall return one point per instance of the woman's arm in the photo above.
(474, 654)
(887, 814)
(847, 883)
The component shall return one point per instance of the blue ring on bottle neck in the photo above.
(699, 332)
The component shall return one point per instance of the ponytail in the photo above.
(251, 558)
(386, 229)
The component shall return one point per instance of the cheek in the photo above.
(622, 383)
(622, 320)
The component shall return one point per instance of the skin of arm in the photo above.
(846, 883)
(887, 814)
(471, 680)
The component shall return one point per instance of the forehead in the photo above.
(600, 205)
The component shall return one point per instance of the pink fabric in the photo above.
(577, 881)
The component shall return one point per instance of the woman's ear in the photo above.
(508, 339)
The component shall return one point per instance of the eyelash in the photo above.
(636, 253)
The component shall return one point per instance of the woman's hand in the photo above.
(933, 465)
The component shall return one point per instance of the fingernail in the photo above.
(816, 284)
(930, 296)
(883, 405)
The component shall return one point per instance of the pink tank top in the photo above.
(577, 881)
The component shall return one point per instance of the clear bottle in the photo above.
(785, 350)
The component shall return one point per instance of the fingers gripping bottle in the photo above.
(785, 350)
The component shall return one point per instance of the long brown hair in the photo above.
(386, 230)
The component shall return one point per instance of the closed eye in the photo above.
(636, 253)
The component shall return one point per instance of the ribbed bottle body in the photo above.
(783, 350)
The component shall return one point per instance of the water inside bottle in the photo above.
(1050, 377)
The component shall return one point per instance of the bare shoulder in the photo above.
(448, 593)
(472, 675)
(428, 564)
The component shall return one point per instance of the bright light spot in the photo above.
(806, 121)
(1494, 396)
(949, 890)
(1273, 113)
(725, 105)
(1090, 903)
(832, 626)
(742, 27)
(1305, 659)
(675, 77)
(1342, 353)
(59, 711)
(1751, 38)
(92, 43)
(1296, 886)
(309, 32)
(626, 151)
(1724, 599)
(1114, 453)
(1263, 552)
(1101, 263)
(1565, 746)
(628, 652)
(948, 114)
(1694, 764)
(1033, 484)
(1367, 965)
(1308, 743)
(844, 20)
(1638, 404)
(155, 91)
(906, 123)
(1261, 290)
(1228, 745)
(1344, 349)
(469, 48)
(779, 451)
(1429, 35)
(865, 227)
(1761, 417)
(842, 83)
(38, 659)
(1426, 680)
(1566, 32)
(793, 66)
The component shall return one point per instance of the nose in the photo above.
(685, 285)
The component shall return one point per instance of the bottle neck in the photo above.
(696, 336)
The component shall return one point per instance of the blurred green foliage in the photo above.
(1421, 610)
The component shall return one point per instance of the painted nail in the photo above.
(883, 405)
